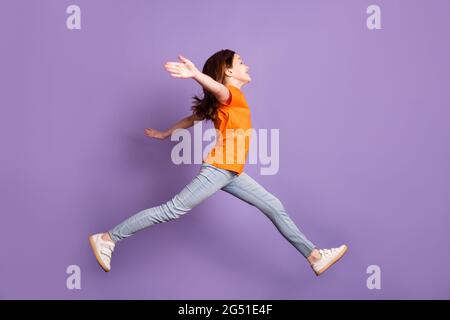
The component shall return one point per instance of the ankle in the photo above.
(314, 256)
(107, 237)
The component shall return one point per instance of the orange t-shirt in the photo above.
(233, 132)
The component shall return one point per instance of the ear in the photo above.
(228, 72)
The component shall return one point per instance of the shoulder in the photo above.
(233, 89)
(235, 95)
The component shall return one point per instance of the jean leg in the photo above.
(250, 191)
(209, 180)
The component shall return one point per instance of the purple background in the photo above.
(364, 159)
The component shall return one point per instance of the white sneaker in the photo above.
(329, 257)
(102, 250)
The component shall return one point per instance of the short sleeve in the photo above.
(233, 93)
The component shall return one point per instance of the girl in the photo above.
(223, 102)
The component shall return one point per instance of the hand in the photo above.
(155, 133)
(183, 69)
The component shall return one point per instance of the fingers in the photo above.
(174, 69)
(174, 64)
(177, 69)
(175, 72)
(153, 133)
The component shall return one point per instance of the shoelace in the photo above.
(326, 252)
(106, 249)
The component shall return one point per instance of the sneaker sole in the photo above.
(338, 257)
(97, 256)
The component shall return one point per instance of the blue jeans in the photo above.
(209, 180)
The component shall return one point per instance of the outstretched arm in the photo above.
(182, 124)
(187, 69)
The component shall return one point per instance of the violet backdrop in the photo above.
(364, 152)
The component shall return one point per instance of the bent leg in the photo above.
(250, 191)
(209, 180)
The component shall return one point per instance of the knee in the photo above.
(176, 208)
(271, 205)
(277, 204)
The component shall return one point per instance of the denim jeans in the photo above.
(209, 180)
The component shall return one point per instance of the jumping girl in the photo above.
(223, 76)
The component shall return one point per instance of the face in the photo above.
(239, 71)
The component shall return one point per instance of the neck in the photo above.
(235, 83)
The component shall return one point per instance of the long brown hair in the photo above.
(206, 107)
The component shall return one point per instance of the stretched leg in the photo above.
(250, 191)
(209, 180)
